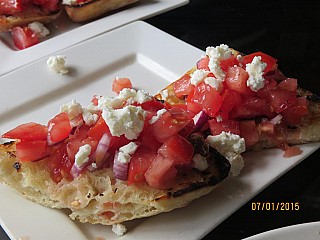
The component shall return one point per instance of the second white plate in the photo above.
(65, 33)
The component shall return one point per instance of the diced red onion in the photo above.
(120, 169)
(101, 153)
(276, 119)
(199, 120)
(75, 170)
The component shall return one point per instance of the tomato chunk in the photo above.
(28, 132)
(183, 86)
(248, 130)
(28, 151)
(139, 164)
(208, 98)
(270, 61)
(295, 113)
(10, 7)
(121, 83)
(24, 37)
(280, 99)
(161, 173)
(59, 128)
(224, 126)
(236, 79)
(178, 149)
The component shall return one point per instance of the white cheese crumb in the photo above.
(128, 121)
(57, 63)
(119, 229)
(214, 83)
(255, 70)
(215, 69)
(164, 94)
(200, 162)
(39, 29)
(231, 146)
(69, 2)
(125, 152)
(88, 117)
(156, 117)
(82, 156)
(198, 76)
(73, 109)
(220, 52)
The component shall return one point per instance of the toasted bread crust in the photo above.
(93, 9)
(97, 197)
(28, 16)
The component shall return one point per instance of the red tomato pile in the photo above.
(242, 110)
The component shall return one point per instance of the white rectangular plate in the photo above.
(65, 33)
(150, 58)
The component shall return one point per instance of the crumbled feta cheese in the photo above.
(214, 83)
(119, 229)
(219, 118)
(164, 94)
(128, 121)
(200, 162)
(255, 70)
(215, 69)
(156, 117)
(69, 2)
(231, 146)
(73, 109)
(88, 117)
(198, 76)
(57, 63)
(220, 52)
(125, 152)
(39, 29)
(82, 156)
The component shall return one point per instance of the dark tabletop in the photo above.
(289, 31)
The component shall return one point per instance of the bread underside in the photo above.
(29, 15)
(97, 197)
(93, 9)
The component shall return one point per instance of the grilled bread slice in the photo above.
(98, 197)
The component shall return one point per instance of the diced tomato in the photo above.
(236, 79)
(270, 61)
(28, 132)
(280, 99)
(294, 114)
(161, 173)
(97, 130)
(60, 164)
(230, 99)
(95, 100)
(10, 7)
(292, 151)
(192, 106)
(59, 128)
(170, 123)
(251, 107)
(289, 84)
(208, 98)
(28, 151)
(24, 37)
(230, 62)
(120, 83)
(224, 126)
(140, 161)
(248, 130)
(203, 63)
(183, 86)
(149, 140)
(268, 86)
(178, 149)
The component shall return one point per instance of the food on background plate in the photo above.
(135, 155)
(17, 15)
(84, 10)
